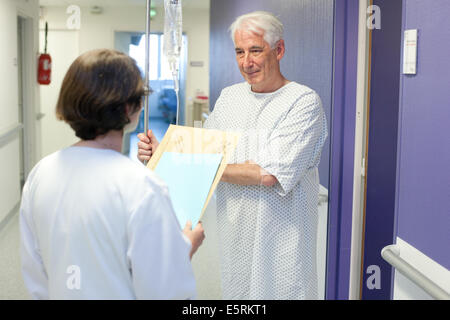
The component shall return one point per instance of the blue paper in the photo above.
(189, 178)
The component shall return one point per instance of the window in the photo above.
(159, 67)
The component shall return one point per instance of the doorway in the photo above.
(26, 96)
(162, 102)
(21, 93)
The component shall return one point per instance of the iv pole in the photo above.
(147, 57)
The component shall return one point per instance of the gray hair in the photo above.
(261, 23)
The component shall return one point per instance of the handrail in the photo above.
(391, 254)
(9, 134)
(323, 195)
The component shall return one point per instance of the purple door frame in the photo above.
(346, 13)
(382, 147)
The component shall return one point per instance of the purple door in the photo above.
(408, 179)
(423, 174)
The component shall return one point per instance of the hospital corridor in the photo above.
(216, 150)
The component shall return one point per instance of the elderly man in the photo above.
(267, 199)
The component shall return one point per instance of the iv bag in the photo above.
(172, 32)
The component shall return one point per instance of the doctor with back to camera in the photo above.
(267, 199)
(94, 224)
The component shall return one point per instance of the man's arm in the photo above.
(248, 174)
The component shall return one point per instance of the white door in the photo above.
(63, 48)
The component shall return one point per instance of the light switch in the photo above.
(410, 52)
(196, 63)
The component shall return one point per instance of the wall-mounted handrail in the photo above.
(9, 134)
(391, 254)
(323, 195)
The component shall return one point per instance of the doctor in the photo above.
(93, 223)
(267, 199)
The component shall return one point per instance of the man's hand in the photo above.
(248, 174)
(196, 236)
(146, 146)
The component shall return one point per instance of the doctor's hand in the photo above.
(196, 236)
(146, 146)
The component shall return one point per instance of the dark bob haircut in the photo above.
(96, 91)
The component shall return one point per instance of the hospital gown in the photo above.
(96, 225)
(267, 235)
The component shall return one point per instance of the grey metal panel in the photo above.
(309, 42)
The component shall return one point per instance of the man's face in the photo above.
(258, 63)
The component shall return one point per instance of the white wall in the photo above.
(9, 119)
(405, 289)
(97, 31)
(57, 134)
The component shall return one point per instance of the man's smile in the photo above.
(250, 73)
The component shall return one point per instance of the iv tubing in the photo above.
(178, 104)
(176, 87)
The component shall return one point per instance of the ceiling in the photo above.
(201, 4)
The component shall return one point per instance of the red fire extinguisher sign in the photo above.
(45, 64)
(44, 69)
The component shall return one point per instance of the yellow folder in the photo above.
(197, 140)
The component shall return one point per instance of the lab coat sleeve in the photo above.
(33, 270)
(296, 143)
(158, 251)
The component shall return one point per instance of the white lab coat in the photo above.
(96, 225)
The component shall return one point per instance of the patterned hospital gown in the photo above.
(267, 235)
